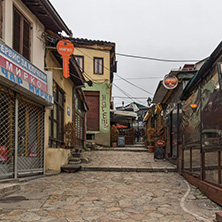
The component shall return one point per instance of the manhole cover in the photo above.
(12, 199)
(209, 206)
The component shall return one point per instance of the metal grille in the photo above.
(27, 151)
(7, 133)
(79, 126)
(30, 137)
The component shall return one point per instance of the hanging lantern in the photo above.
(193, 106)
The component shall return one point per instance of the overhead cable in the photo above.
(157, 59)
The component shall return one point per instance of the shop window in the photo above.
(80, 61)
(21, 34)
(56, 119)
(187, 160)
(211, 167)
(98, 65)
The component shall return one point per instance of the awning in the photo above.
(120, 126)
(160, 93)
(118, 113)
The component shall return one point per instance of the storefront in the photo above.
(25, 92)
(202, 128)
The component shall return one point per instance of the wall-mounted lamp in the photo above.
(193, 106)
(149, 101)
(90, 83)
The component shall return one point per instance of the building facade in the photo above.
(97, 61)
(35, 101)
(202, 128)
(25, 91)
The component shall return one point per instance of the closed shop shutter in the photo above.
(93, 113)
(25, 155)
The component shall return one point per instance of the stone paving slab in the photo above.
(105, 197)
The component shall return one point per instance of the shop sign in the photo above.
(65, 48)
(3, 153)
(20, 82)
(170, 82)
(19, 66)
(20, 71)
(104, 113)
(68, 111)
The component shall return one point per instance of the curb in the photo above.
(129, 169)
(6, 189)
(123, 150)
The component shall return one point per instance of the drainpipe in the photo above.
(1, 19)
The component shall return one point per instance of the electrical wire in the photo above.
(127, 94)
(160, 77)
(134, 85)
(131, 97)
(157, 59)
(118, 75)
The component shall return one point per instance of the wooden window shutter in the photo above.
(93, 113)
(16, 31)
(26, 40)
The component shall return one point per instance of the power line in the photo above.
(131, 97)
(127, 94)
(119, 76)
(134, 85)
(156, 59)
(143, 78)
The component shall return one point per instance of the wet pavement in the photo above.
(109, 196)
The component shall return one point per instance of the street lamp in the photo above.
(149, 101)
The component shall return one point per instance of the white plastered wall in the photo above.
(37, 43)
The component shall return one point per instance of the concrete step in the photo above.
(71, 168)
(127, 149)
(8, 188)
(128, 169)
(74, 162)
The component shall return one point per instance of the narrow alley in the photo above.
(116, 184)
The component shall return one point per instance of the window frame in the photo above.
(94, 65)
(23, 21)
(59, 140)
(80, 57)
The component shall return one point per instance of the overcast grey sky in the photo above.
(169, 29)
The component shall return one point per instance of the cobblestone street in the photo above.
(109, 196)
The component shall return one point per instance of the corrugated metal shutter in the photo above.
(93, 113)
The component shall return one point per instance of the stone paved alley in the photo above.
(106, 195)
